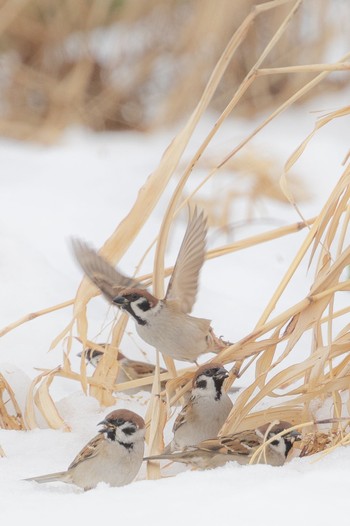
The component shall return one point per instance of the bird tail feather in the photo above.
(51, 477)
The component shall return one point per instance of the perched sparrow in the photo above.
(114, 456)
(238, 446)
(128, 369)
(163, 323)
(206, 410)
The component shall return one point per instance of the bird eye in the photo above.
(275, 442)
(134, 296)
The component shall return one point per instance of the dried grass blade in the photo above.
(7, 420)
(46, 405)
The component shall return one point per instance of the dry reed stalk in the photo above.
(8, 406)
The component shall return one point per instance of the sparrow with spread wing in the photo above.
(163, 323)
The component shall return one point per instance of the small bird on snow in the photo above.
(206, 410)
(238, 447)
(113, 456)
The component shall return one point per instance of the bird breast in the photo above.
(176, 334)
(115, 465)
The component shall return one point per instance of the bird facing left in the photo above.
(163, 323)
(114, 456)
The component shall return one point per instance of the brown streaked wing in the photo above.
(89, 451)
(109, 280)
(241, 444)
(184, 415)
(183, 285)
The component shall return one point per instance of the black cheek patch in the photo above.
(275, 442)
(289, 445)
(218, 387)
(139, 320)
(202, 384)
(111, 434)
(129, 430)
(145, 306)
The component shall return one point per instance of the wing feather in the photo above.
(183, 284)
(184, 415)
(89, 451)
(108, 279)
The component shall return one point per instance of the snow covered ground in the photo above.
(83, 187)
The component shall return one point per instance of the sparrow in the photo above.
(205, 411)
(113, 456)
(239, 447)
(128, 369)
(163, 323)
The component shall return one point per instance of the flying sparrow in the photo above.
(113, 456)
(240, 447)
(128, 369)
(206, 410)
(163, 323)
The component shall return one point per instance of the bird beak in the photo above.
(221, 373)
(120, 300)
(104, 423)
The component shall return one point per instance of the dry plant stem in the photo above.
(291, 100)
(300, 93)
(46, 405)
(147, 380)
(107, 368)
(8, 421)
(249, 79)
(311, 68)
(2, 452)
(31, 316)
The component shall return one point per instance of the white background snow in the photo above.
(84, 186)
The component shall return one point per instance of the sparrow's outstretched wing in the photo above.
(108, 279)
(183, 283)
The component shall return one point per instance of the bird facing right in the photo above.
(239, 447)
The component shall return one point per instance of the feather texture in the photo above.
(108, 279)
(183, 284)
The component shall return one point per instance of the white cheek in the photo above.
(280, 448)
(209, 390)
(144, 315)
